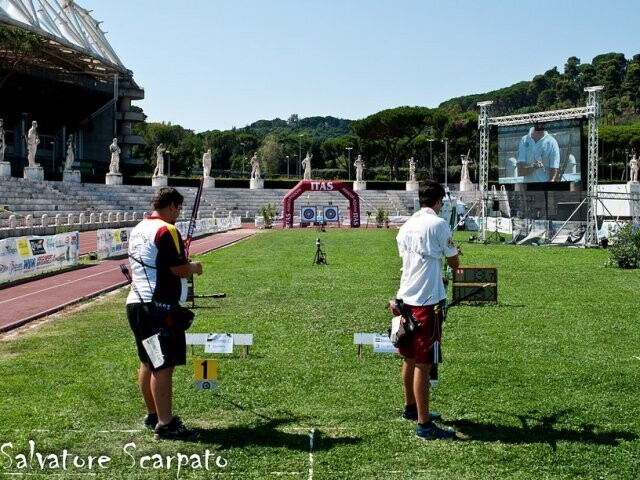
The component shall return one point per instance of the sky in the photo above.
(219, 64)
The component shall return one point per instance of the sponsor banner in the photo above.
(113, 242)
(205, 226)
(22, 257)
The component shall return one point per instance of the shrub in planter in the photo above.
(268, 213)
(624, 251)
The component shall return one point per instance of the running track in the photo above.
(37, 298)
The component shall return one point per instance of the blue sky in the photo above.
(218, 64)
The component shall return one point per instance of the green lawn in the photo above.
(546, 383)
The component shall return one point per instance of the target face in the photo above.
(308, 213)
(331, 214)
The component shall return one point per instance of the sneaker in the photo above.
(151, 420)
(431, 431)
(411, 413)
(175, 430)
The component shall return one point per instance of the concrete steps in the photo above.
(21, 197)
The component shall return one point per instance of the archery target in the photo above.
(308, 214)
(330, 214)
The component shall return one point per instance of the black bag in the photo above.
(402, 332)
(181, 317)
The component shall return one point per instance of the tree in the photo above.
(394, 130)
(182, 144)
(631, 85)
(610, 70)
(270, 154)
(17, 46)
(571, 71)
(335, 153)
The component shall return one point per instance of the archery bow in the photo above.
(194, 216)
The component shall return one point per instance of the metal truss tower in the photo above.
(483, 126)
(591, 112)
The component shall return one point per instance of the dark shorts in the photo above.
(424, 346)
(172, 340)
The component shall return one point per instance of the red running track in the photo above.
(37, 298)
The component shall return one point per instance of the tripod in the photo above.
(496, 235)
(495, 210)
(320, 258)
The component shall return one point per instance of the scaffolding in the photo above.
(591, 112)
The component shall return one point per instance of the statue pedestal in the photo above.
(256, 184)
(71, 176)
(633, 183)
(5, 169)
(209, 182)
(467, 186)
(113, 179)
(34, 173)
(412, 186)
(159, 181)
(359, 185)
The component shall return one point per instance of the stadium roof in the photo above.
(72, 38)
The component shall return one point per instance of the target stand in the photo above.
(191, 296)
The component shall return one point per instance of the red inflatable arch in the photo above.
(321, 186)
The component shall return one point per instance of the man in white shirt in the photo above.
(538, 156)
(160, 269)
(422, 242)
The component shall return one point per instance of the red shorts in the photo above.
(424, 346)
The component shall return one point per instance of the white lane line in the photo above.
(312, 433)
(12, 299)
(58, 285)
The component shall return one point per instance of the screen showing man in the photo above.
(539, 153)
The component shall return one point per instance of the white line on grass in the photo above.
(312, 432)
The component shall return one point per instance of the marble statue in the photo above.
(412, 170)
(33, 140)
(206, 163)
(114, 166)
(359, 164)
(306, 164)
(68, 163)
(633, 164)
(255, 166)
(464, 173)
(159, 170)
(2, 145)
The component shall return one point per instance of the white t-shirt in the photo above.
(158, 245)
(545, 150)
(422, 242)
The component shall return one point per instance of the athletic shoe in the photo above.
(411, 413)
(431, 431)
(151, 420)
(175, 430)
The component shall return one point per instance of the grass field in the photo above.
(546, 383)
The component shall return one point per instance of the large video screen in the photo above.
(540, 152)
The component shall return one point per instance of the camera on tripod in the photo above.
(321, 257)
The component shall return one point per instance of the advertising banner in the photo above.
(113, 242)
(22, 257)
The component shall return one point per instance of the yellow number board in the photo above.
(205, 369)
(205, 373)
